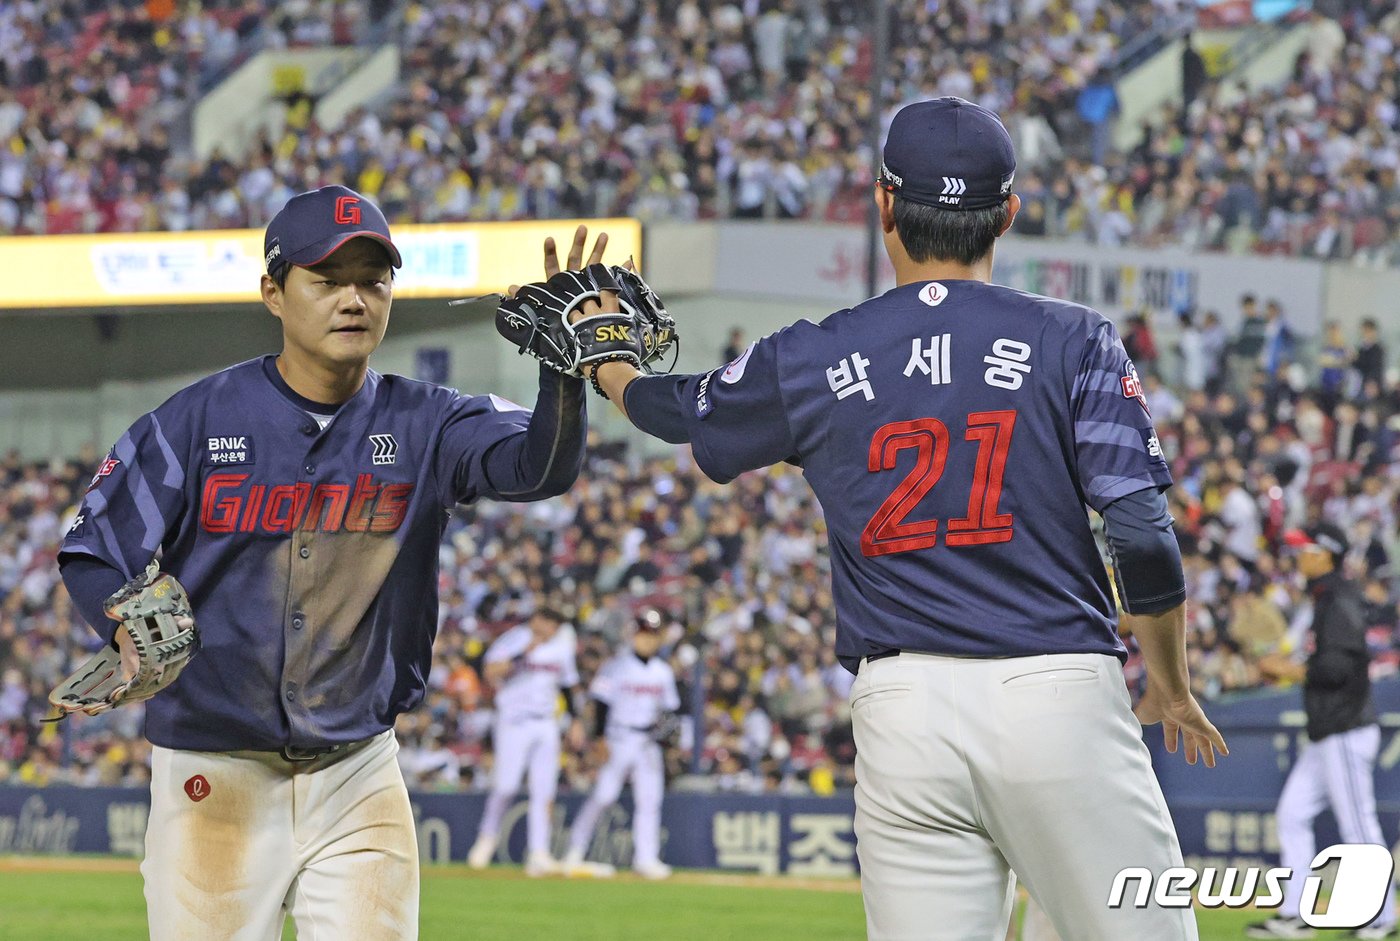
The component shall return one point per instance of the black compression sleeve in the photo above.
(546, 460)
(90, 582)
(1146, 557)
(600, 717)
(655, 405)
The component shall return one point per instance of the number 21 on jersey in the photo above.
(889, 531)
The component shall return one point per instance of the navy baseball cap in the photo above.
(314, 224)
(948, 153)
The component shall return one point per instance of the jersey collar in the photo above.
(277, 390)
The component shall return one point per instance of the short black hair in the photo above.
(964, 236)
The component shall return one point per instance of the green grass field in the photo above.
(59, 900)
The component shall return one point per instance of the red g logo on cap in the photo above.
(347, 210)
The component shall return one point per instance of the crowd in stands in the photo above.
(90, 90)
(689, 109)
(1258, 444)
(1307, 167)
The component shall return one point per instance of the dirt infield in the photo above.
(68, 864)
(455, 871)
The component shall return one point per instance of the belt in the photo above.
(956, 656)
(880, 656)
(628, 732)
(311, 753)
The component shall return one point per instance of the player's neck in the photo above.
(907, 271)
(319, 382)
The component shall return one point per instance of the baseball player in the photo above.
(634, 693)
(528, 665)
(1337, 768)
(954, 430)
(300, 498)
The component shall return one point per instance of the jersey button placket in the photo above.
(297, 585)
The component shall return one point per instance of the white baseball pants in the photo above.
(520, 744)
(968, 770)
(236, 840)
(630, 755)
(1337, 772)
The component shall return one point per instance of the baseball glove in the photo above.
(537, 321)
(155, 609)
(666, 730)
(654, 325)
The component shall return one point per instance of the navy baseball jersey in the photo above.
(953, 433)
(308, 543)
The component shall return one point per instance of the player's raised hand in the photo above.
(1183, 720)
(575, 261)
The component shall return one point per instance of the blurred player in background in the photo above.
(528, 665)
(1337, 768)
(634, 700)
(301, 500)
(954, 431)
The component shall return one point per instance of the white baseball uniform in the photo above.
(636, 692)
(230, 832)
(1337, 772)
(527, 727)
(954, 755)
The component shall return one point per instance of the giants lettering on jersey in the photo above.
(643, 689)
(228, 506)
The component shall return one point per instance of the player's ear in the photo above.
(271, 296)
(884, 199)
(1013, 206)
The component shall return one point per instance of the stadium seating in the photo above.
(512, 110)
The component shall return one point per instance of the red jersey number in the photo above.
(889, 531)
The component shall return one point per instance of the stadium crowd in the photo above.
(1308, 167)
(691, 109)
(1257, 443)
